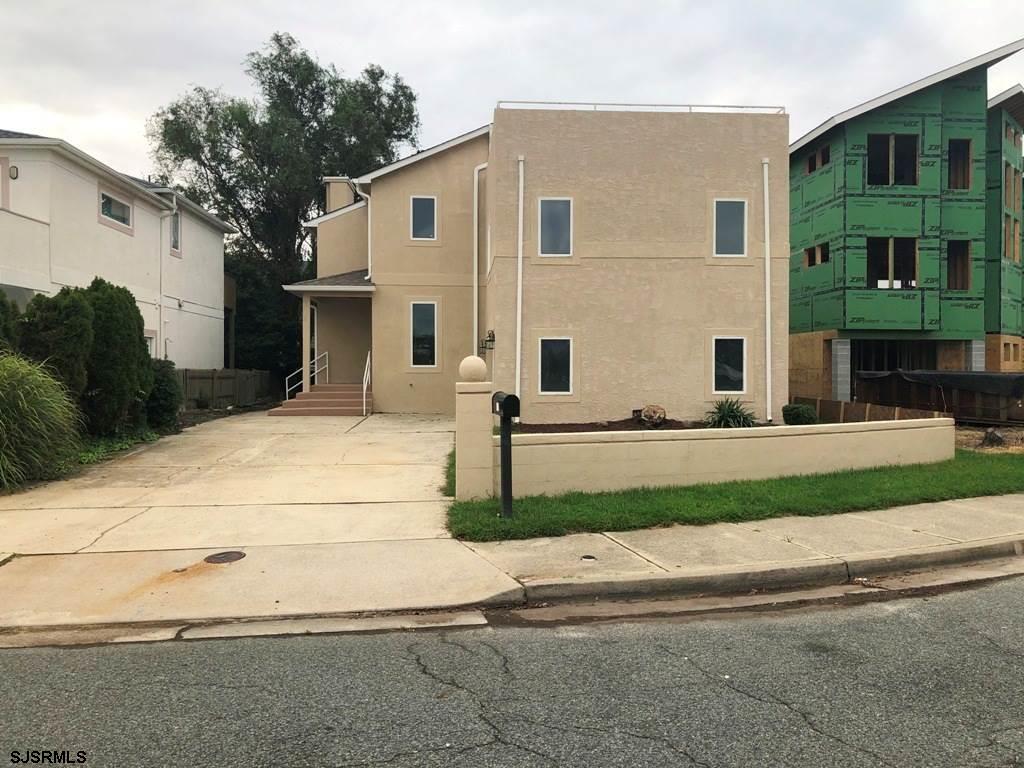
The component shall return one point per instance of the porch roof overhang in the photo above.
(346, 284)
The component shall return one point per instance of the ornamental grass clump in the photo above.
(729, 412)
(39, 422)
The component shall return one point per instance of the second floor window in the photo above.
(892, 262)
(175, 231)
(730, 227)
(555, 226)
(892, 159)
(115, 210)
(423, 215)
(959, 163)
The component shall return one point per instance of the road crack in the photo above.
(771, 699)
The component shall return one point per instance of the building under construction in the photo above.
(906, 234)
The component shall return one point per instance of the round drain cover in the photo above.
(588, 557)
(224, 557)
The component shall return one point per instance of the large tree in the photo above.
(259, 162)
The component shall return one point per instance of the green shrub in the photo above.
(57, 330)
(119, 371)
(729, 412)
(165, 397)
(38, 422)
(798, 413)
(8, 323)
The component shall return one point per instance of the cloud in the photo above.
(92, 73)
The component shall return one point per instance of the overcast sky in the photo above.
(93, 72)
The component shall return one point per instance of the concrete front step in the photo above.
(348, 410)
(330, 395)
(337, 388)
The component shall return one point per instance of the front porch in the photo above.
(336, 342)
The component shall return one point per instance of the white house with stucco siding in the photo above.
(66, 218)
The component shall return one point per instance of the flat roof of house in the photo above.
(345, 282)
(1012, 100)
(984, 60)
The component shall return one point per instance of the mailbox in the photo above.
(507, 407)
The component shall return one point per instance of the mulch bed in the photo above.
(622, 425)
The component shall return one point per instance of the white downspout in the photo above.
(519, 283)
(767, 293)
(476, 257)
(161, 345)
(369, 229)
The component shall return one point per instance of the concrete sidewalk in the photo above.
(178, 585)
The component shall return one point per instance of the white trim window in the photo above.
(422, 217)
(423, 334)
(729, 365)
(554, 365)
(175, 220)
(115, 209)
(554, 226)
(730, 227)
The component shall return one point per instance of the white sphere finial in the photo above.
(472, 368)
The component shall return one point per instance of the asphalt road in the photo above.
(922, 682)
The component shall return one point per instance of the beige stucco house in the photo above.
(66, 218)
(599, 258)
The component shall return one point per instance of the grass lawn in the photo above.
(448, 489)
(969, 474)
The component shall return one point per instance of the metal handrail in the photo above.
(366, 379)
(315, 369)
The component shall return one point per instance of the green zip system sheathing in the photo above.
(1004, 278)
(834, 204)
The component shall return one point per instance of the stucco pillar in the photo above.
(306, 311)
(841, 384)
(976, 355)
(474, 427)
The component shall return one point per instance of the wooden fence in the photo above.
(839, 412)
(219, 388)
(963, 404)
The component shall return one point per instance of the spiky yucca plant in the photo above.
(729, 412)
(39, 422)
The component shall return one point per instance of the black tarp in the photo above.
(1003, 384)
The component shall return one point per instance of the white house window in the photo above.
(555, 366)
(555, 226)
(730, 365)
(115, 210)
(423, 215)
(175, 231)
(730, 227)
(423, 328)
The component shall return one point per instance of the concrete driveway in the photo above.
(323, 507)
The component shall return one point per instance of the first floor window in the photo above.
(818, 254)
(555, 227)
(556, 366)
(730, 363)
(730, 227)
(115, 210)
(424, 334)
(424, 218)
(175, 231)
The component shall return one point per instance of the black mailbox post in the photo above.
(507, 407)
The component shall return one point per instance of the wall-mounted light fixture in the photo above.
(13, 171)
(487, 342)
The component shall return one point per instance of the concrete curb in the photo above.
(774, 576)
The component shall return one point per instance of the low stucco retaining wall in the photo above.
(609, 461)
